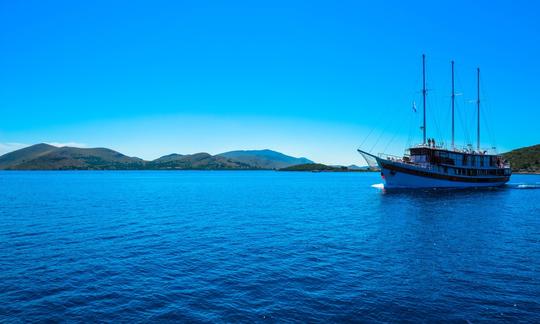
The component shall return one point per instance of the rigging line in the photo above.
(385, 150)
(379, 116)
(445, 114)
(434, 110)
(484, 117)
(396, 132)
(414, 118)
(410, 125)
(486, 124)
(390, 126)
(461, 111)
(465, 128)
(365, 138)
(443, 120)
(448, 120)
(377, 142)
(390, 142)
(413, 128)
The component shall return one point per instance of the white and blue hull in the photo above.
(397, 180)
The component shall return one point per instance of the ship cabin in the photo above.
(460, 163)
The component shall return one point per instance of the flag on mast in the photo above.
(414, 106)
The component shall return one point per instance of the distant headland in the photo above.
(525, 159)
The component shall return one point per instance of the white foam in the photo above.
(528, 186)
(378, 185)
(524, 185)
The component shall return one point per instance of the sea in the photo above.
(264, 246)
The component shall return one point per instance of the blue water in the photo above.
(263, 246)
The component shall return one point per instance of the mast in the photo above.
(424, 95)
(478, 106)
(453, 99)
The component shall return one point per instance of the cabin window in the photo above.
(464, 162)
(481, 161)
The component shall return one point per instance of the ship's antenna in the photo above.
(424, 95)
(453, 99)
(478, 106)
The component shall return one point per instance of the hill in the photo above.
(48, 157)
(264, 159)
(24, 155)
(39, 157)
(199, 161)
(314, 167)
(525, 159)
(168, 158)
(359, 168)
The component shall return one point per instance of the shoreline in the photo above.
(275, 170)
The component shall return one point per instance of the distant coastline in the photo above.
(42, 156)
(318, 167)
(48, 157)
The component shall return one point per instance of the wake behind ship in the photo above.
(429, 165)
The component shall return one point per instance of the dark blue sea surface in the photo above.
(263, 246)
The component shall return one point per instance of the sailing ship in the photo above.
(429, 165)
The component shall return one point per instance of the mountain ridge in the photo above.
(265, 159)
(48, 157)
(70, 158)
(197, 161)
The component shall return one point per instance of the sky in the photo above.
(317, 79)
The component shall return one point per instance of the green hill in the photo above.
(24, 155)
(198, 161)
(264, 159)
(314, 167)
(168, 158)
(72, 158)
(48, 157)
(525, 159)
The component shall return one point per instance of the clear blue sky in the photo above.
(308, 78)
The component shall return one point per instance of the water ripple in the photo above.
(263, 246)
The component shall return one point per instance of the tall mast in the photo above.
(424, 94)
(453, 99)
(478, 106)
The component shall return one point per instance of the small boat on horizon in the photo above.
(428, 165)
